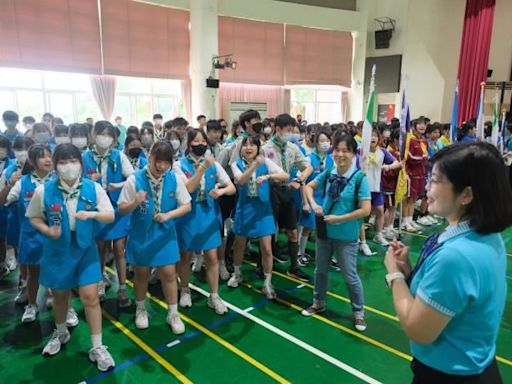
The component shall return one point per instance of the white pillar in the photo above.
(204, 43)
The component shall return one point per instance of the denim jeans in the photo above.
(346, 254)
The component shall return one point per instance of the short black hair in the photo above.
(213, 125)
(78, 129)
(479, 165)
(162, 151)
(321, 132)
(254, 140)
(66, 151)
(199, 117)
(346, 138)
(132, 130)
(157, 116)
(179, 122)
(61, 130)
(285, 120)
(147, 124)
(36, 152)
(22, 143)
(104, 126)
(28, 120)
(10, 116)
(247, 116)
(395, 135)
(131, 138)
(5, 143)
(191, 135)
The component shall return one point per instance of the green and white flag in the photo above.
(368, 125)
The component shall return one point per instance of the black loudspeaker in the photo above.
(489, 73)
(212, 83)
(382, 38)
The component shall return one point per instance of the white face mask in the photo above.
(324, 146)
(3, 154)
(79, 142)
(104, 141)
(267, 130)
(175, 144)
(28, 127)
(158, 121)
(62, 140)
(69, 171)
(21, 156)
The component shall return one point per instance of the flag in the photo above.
(405, 126)
(480, 115)
(495, 124)
(368, 125)
(503, 132)
(455, 115)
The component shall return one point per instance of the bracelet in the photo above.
(298, 180)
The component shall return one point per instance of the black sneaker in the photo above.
(303, 260)
(259, 272)
(298, 274)
(335, 264)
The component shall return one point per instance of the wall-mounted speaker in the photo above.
(382, 38)
(212, 83)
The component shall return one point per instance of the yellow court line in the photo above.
(340, 327)
(146, 348)
(218, 339)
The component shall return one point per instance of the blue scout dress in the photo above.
(306, 219)
(253, 215)
(3, 209)
(199, 230)
(13, 220)
(72, 260)
(153, 244)
(118, 229)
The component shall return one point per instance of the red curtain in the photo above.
(474, 54)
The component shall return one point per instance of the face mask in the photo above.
(42, 137)
(293, 137)
(11, 124)
(69, 171)
(134, 152)
(21, 156)
(62, 140)
(267, 130)
(3, 154)
(28, 127)
(199, 150)
(175, 144)
(324, 146)
(147, 140)
(79, 142)
(257, 127)
(104, 141)
(158, 122)
(386, 134)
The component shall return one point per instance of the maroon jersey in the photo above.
(417, 167)
(389, 178)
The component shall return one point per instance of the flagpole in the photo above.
(480, 118)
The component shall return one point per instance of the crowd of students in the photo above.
(166, 198)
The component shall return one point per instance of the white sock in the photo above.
(214, 295)
(268, 279)
(302, 244)
(96, 341)
(140, 304)
(61, 328)
(122, 287)
(173, 308)
(237, 270)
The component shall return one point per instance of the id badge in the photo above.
(55, 214)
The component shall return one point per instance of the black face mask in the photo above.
(134, 152)
(199, 150)
(257, 127)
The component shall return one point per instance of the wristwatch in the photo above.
(393, 276)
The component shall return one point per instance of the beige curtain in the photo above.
(104, 91)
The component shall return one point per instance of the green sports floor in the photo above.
(258, 341)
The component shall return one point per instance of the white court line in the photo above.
(301, 286)
(295, 340)
(247, 310)
(173, 343)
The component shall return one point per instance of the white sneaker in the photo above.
(223, 272)
(433, 220)
(269, 292)
(153, 278)
(141, 318)
(185, 298)
(72, 318)
(101, 290)
(177, 326)
(234, 280)
(415, 225)
(371, 220)
(55, 343)
(102, 358)
(409, 228)
(21, 296)
(366, 249)
(379, 239)
(30, 314)
(106, 280)
(360, 324)
(424, 221)
(217, 304)
(10, 260)
(389, 234)
(198, 263)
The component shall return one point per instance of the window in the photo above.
(316, 105)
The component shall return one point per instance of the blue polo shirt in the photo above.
(347, 203)
(464, 279)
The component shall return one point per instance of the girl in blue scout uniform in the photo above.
(65, 210)
(11, 175)
(110, 168)
(174, 138)
(346, 203)
(320, 160)
(79, 136)
(5, 162)
(199, 230)
(155, 196)
(133, 150)
(253, 216)
(61, 132)
(31, 242)
(42, 135)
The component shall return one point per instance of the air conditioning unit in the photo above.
(233, 109)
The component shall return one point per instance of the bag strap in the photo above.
(356, 172)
